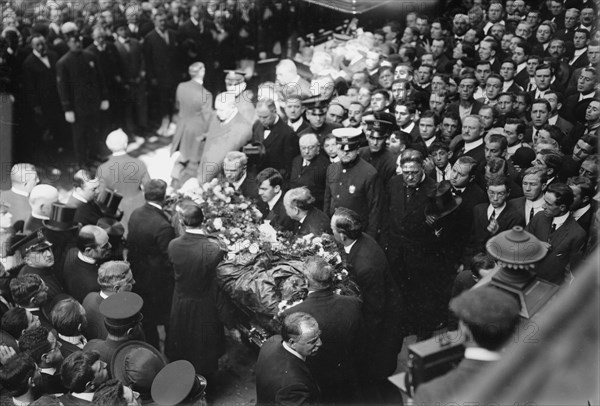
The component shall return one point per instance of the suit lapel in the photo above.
(559, 235)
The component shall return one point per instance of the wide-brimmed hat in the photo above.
(136, 364)
(441, 200)
(61, 218)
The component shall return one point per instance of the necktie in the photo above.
(443, 175)
(493, 215)
(530, 87)
(553, 228)
(531, 213)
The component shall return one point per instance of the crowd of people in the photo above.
(413, 143)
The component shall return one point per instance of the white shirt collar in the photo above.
(560, 220)
(590, 95)
(238, 183)
(119, 153)
(446, 171)
(511, 150)
(409, 127)
(48, 371)
(521, 66)
(155, 205)
(32, 309)
(19, 192)
(80, 341)
(481, 354)
(85, 259)
(297, 124)
(473, 144)
(103, 295)
(200, 82)
(292, 351)
(20, 402)
(552, 120)
(498, 210)
(274, 200)
(84, 396)
(77, 196)
(507, 84)
(580, 212)
(195, 231)
(578, 53)
(349, 247)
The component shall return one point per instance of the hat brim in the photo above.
(52, 227)
(117, 363)
(457, 200)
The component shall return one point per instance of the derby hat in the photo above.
(61, 218)
(136, 364)
(441, 200)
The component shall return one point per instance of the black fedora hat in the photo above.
(109, 201)
(441, 201)
(61, 218)
(136, 364)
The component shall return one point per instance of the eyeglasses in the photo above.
(309, 148)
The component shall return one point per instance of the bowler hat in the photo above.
(441, 200)
(61, 218)
(176, 382)
(137, 363)
(109, 201)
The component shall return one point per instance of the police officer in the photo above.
(178, 384)
(376, 153)
(353, 183)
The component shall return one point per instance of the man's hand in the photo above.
(428, 164)
(104, 105)
(235, 334)
(6, 353)
(70, 116)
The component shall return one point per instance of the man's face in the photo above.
(330, 147)
(359, 79)
(518, 56)
(471, 129)
(90, 189)
(355, 113)
(316, 118)
(39, 44)
(412, 173)
(460, 176)
(386, 78)
(506, 40)
(539, 114)
(510, 132)
(532, 64)
(403, 117)
(593, 53)
(223, 110)
(282, 76)
(466, 89)
(293, 109)
(543, 78)
(552, 98)
(402, 72)
(233, 170)
(399, 92)
(440, 158)
(378, 102)
(376, 143)
(335, 114)
(437, 48)
(520, 105)
(424, 75)
(40, 259)
(436, 31)
(160, 22)
(100, 373)
(74, 44)
(582, 150)
(505, 104)
(551, 208)
(543, 34)
(436, 103)
(364, 96)
(507, 71)
(493, 150)
(54, 357)
(571, 19)
(427, 127)
(460, 26)
(580, 40)
(347, 156)
(265, 116)
(587, 16)
(485, 51)
(556, 49)
(482, 72)
(267, 192)
(586, 82)
(588, 170)
(497, 195)
(41, 296)
(556, 7)
(308, 343)
(495, 12)
(592, 113)
(449, 128)
(497, 31)
(422, 26)
(309, 147)
(532, 187)
(533, 18)
(487, 116)
(493, 87)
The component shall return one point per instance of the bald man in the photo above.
(40, 201)
(23, 178)
(289, 80)
(194, 105)
(80, 270)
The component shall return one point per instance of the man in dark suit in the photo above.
(41, 199)
(235, 171)
(294, 110)
(376, 153)
(279, 140)
(76, 371)
(310, 168)
(472, 136)
(299, 206)
(335, 365)
(135, 106)
(580, 59)
(316, 108)
(150, 233)
(466, 105)
(197, 30)
(577, 103)
(23, 178)
(532, 201)
(583, 206)
(83, 99)
(43, 347)
(382, 305)
(493, 218)
(80, 271)
(163, 69)
(563, 236)
(489, 317)
(85, 191)
(282, 376)
(39, 79)
(270, 184)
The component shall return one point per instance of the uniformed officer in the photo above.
(376, 153)
(353, 183)
(122, 318)
(316, 108)
(178, 384)
(235, 81)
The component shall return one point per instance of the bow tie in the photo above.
(456, 192)
(296, 120)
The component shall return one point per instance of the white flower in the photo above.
(317, 240)
(254, 248)
(218, 223)
(243, 206)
